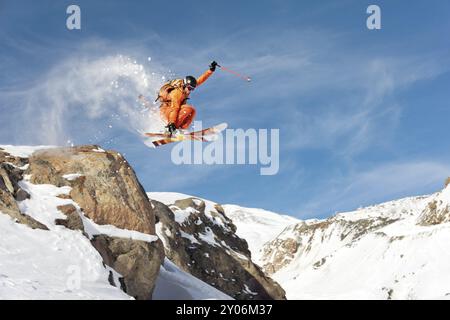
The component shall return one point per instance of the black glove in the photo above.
(213, 66)
(171, 128)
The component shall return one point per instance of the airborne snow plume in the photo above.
(85, 100)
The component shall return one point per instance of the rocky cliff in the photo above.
(95, 214)
(202, 240)
(100, 197)
(102, 183)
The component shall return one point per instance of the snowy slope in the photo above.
(38, 264)
(175, 284)
(257, 226)
(57, 264)
(379, 252)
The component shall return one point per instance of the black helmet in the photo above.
(190, 81)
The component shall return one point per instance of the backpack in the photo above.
(163, 94)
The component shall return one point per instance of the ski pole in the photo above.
(246, 78)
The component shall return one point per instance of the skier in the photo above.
(174, 110)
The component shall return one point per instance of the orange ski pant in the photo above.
(185, 115)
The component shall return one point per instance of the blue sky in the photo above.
(363, 115)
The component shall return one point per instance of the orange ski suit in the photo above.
(176, 110)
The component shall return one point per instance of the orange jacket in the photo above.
(178, 97)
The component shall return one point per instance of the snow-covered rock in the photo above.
(200, 239)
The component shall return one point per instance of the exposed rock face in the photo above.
(437, 210)
(103, 185)
(201, 240)
(10, 191)
(137, 261)
(282, 252)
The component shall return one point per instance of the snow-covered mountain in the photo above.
(395, 250)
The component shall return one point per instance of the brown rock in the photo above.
(22, 195)
(137, 261)
(10, 192)
(107, 190)
(73, 220)
(435, 213)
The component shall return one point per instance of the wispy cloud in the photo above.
(313, 86)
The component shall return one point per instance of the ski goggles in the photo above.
(191, 88)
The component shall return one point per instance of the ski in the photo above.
(207, 134)
(168, 140)
(208, 131)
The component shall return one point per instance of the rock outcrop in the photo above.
(103, 185)
(11, 172)
(437, 210)
(104, 189)
(137, 261)
(201, 240)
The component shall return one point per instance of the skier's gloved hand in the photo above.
(171, 128)
(213, 66)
